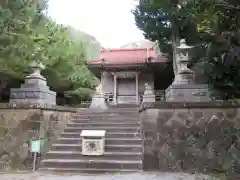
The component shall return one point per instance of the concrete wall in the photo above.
(125, 86)
(192, 136)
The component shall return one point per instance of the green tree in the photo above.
(168, 22)
(25, 30)
(223, 55)
(207, 24)
(91, 44)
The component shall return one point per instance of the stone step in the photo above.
(108, 135)
(132, 111)
(111, 141)
(102, 116)
(108, 129)
(107, 155)
(110, 110)
(107, 120)
(123, 143)
(108, 148)
(102, 125)
(86, 170)
(95, 164)
(124, 106)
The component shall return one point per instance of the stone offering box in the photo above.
(93, 142)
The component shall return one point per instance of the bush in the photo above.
(78, 95)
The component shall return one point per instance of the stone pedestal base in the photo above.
(98, 102)
(32, 96)
(148, 98)
(187, 93)
(33, 91)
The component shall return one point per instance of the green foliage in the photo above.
(164, 20)
(205, 24)
(154, 24)
(78, 95)
(92, 46)
(223, 55)
(222, 68)
(26, 34)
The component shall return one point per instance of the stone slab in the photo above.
(106, 176)
(42, 90)
(188, 93)
(93, 133)
(31, 101)
(32, 95)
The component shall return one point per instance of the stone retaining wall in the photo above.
(19, 124)
(203, 137)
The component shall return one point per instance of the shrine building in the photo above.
(123, 73)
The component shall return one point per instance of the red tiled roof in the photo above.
(126, 56)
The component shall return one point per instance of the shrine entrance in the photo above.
(124, 72)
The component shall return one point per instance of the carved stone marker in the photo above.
(34, 90)
(98, 100)
(183, 89)
(93, 142)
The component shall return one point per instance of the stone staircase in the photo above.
(123, 145)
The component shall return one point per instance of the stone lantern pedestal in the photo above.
(98, 100)
(148, 96)
(187, 93)
(34, 90)
(183, 89)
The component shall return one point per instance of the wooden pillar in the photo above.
(137, 84)
(115, 88)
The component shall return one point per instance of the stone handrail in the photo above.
(159, 95)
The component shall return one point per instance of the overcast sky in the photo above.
(110, 21)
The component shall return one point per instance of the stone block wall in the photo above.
(202, 137)
(21, 123)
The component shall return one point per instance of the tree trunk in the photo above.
(175, 44)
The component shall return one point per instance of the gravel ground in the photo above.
(135, 176)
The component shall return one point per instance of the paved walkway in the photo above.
(135, 176)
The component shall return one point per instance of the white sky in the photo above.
(110, 21)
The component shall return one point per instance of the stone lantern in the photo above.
(37, 67)
(184, 89)
(184, 74)
(34, 91)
